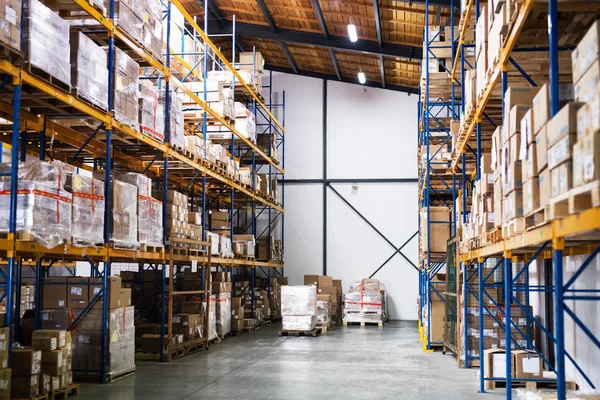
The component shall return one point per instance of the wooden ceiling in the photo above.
(309, 37)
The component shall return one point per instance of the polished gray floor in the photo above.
(347, 363)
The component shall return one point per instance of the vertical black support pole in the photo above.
(324, 177)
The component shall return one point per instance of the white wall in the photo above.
(372, 133)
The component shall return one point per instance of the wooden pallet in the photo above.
(315, 332)
(43, 75)
(249, 329)
(529, 385)
(327, 326)
(584, 197)
(364, 323)
(537, 218)
(513, 227)
(72, 389)
(152, 248)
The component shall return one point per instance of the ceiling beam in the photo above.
(289, 56)
(382, 68)
(267, 15)
(377, 22)
(319, 14)
(318, 75)
(317, 39)
(335, 63)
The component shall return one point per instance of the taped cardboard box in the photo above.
(586, 52)
(10, 26)
(586, 159)
(561, 178)
(563, 123)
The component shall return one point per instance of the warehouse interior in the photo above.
(270, 199)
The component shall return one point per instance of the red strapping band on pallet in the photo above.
(362, 303)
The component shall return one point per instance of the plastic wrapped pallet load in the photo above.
(87, 227)
(89, 74)
(222, 311)
(365, 302)
(299, 308)
(43, 204)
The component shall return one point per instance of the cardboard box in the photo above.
(44, 343)
(52, 362)
(563, 123)
(337, 283)
(513, 178)
(58, 334)
(54, 292)
(325, 281)
(541, 149)
(541, 108)
(587, 87)
(531, 195)
(494, 363)
(515, 147)
(530, 165)
(586, 159)
(561, 178)
(45, 383)
(528, 364)
(55, 319)
(151, 343)
(26, 362)
(23, 387)
(77, 292)
(545, 187)
(114, 291)
(237, 325)
(512, 206)
(562, 150)
(236, 302)
(517, 96)
(311, 280)
(5, 378)
(586, 53)
(516, 114)
(125, 297)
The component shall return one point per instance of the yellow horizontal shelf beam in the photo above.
(505, 52)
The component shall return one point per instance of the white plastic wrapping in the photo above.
(323, 312)
(149, 210)
(128, 17)
(213, 238)
(46, 41)
(87, 210)
(212, 320)
(299, 300)
(365, 301)
(225, 249)
(222, 306)
(43, 205)
(298, 322)
(176, 127)
(126, 89)
(89, 72)
(153, 27)
(150, 111)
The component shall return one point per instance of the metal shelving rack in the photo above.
(83, 148)
(575, 234)
(437, 106)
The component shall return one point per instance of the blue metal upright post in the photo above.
(481, 337)
(558, 246)
(507, 317)
(465, 313)
(553, 36)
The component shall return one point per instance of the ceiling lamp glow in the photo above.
(362, 78)
(352, 33)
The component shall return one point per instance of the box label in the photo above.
(76, 290)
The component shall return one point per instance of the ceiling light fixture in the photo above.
(352, 33)
(362, 78)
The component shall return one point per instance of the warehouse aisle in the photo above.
(347, 363)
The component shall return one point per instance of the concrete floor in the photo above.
(347, 363)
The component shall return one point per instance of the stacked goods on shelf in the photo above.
(243, 245)
(152, 16)
(213, 239)
(439, 229)
(221, 290)
(252, 62)
(219, 220)
(237, 315)
(275, 296)
(439, 157)
(5, 372)
(186, 328)
(176, 26)
(56, 347)
(245, 122)
(365, 302)
(123, 220)
(586, 153)
(176, 120)
(89, 72)
(87, 212)
(299, 308)
(437, 319)
(126, 90)
(63, 299)
(177, 218)
(269, 249)
(195, 146)
(129, 18)
(267, 299)
(46, 41)
(245, 174)
(27, 299)
(267, 143)
(10, 34)
(151, 116)
(43, 204)
(149, 210)
(326, 285)
(26, 366)
(526, 364)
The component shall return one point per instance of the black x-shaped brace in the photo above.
(397, 250)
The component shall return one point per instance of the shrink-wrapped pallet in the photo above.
(323, 310)
(87, 211)
(129, 17)
(222, 306)
(176, 127)
(150, 111)
(89, 72)
(298, 322)
(149, 210)
(299, 300)
(43, 205)
(46, 41)
(365, 301)
(152, 16)
(126, 92)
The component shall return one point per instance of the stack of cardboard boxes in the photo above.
(269, 249)
(177, 218)
(524, 365)
(243, 245)
(237, 314)
(326, 285)
(221, 290)
(26, 368)
(439, 230)
(10, 35)
(56, 361)
(275, 299)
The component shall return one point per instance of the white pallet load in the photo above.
(298, 308)
(365, 302)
